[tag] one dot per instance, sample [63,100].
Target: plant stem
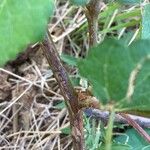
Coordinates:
[109,131]
[136,126]
[104,116]
[68,92]
[92,11]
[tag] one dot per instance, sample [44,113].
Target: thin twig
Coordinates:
[104,116]
[136,126]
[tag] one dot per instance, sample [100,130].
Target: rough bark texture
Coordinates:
[68,92]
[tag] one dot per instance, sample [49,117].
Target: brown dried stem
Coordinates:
[68,92]
[104,116]
[136,126]
[92,11]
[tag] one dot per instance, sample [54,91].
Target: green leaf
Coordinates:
[22,22]
[66,130]
[130,2]
[80,2]
[146,22]
[132,138]
[75,80]
[70,60]
[117,146]
[120,147]
[60,105]
[93,133]
[111,69]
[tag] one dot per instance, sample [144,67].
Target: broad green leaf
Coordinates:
[132,138]
[131,2]
[120,147]
[146,22]
[117,146]
[22,22]
[120,75]
[80,2]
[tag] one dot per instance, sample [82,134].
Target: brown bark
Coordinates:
[92,12]
[68,92]
[136,127]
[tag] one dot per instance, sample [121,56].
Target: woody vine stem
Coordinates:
[67,89]
[68,92]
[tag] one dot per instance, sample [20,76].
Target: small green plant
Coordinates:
[119,74]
